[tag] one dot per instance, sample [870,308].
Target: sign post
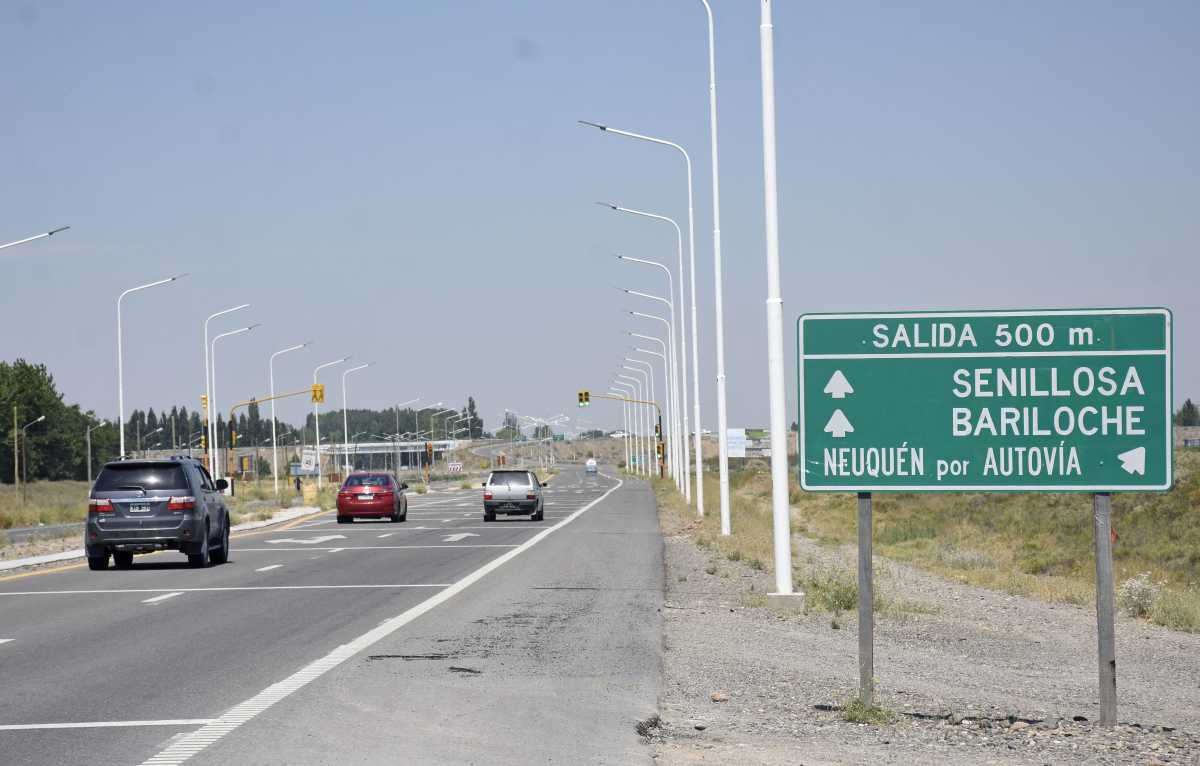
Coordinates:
[988,401]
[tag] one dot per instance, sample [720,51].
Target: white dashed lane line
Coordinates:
[268,569]
[386,534]
[6,640]
[163,597]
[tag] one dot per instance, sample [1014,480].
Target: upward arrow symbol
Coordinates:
[838,425]
[838,386]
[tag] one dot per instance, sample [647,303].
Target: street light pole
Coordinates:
[50,233]
[346,414]
[671,380]
[624,390]
[668,360]
[210,420]
[779,435]
[695,326]
[317,416]
[680,370]
[25,457]
[722,420]
[648,395]
[88,438]
[651,447]
[216,471]
[670,444]
[120,355]
[640,392]
[274,436]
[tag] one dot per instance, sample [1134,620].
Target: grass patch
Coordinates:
[1037,545]
[855,711]
[48,502]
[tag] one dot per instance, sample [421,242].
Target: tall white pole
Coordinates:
[722,422]
[628,392]
[670,305]
[670,440]
[639,393]
[680,371]
[650,411]
[50,233]
[209,422]
[216,471]
[346,415]
[317,416]
[121,356]
[668,358]
[695,327]
[779,435]
[274,437]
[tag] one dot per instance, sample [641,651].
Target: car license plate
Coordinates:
[364,497]
[139,508]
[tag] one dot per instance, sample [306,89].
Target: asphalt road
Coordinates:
[439,640]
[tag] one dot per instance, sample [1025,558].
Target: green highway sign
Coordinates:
[1030,401]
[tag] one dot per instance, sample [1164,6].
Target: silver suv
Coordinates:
[513,492]
[138,506]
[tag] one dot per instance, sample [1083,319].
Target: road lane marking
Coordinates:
[380,548]
[6,640]
[269,568]
[192,743]
[309,541]
[221,590]
[386,534]
[163,597]
[105,724]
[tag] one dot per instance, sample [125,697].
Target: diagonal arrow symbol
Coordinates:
[310,540]
[460,536]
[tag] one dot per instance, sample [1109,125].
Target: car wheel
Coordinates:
[98,563]
[343,519]
[122,559]
[221,554]
[204,557]
[489,516]
[404,516]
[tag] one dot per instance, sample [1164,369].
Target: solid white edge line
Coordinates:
[163,597]
[190,744]
[219,590]
[105,724]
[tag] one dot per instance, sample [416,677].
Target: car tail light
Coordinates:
[344,493]
[530,496]
[487,495]
[100,506]
[181,503]
[383,496]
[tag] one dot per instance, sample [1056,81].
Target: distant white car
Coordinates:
[590,466]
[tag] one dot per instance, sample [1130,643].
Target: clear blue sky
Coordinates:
[405,182]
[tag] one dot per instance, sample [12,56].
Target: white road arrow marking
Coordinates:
[838,386]
[457,537]
[838,425]
[309,541]
[1134,461]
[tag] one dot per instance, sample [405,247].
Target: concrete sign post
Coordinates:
[988,401]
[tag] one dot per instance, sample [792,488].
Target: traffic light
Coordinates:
[204,403]
[658,430]
[203,441]
[658,450]
[232,438]
[318,393]
[585,398]
[429,451]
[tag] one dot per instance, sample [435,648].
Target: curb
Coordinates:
[53,558]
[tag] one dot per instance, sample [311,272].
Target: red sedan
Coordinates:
[371,495]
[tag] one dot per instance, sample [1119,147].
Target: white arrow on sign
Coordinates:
[1134,461]
[310,540]
[838,425]
[457,537]
[838,386]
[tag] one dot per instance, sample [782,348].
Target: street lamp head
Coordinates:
[52,232]
[39,419]
[179,276]
[593,124]
[609,205]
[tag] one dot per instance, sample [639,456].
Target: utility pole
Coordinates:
[16,454]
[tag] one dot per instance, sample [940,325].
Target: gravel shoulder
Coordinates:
[971,676]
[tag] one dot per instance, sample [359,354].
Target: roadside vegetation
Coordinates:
[49,502]
[1036,545]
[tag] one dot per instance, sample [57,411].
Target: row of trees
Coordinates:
[55,447]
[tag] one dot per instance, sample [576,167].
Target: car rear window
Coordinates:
[511,478]
[145,476]
[370,480]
